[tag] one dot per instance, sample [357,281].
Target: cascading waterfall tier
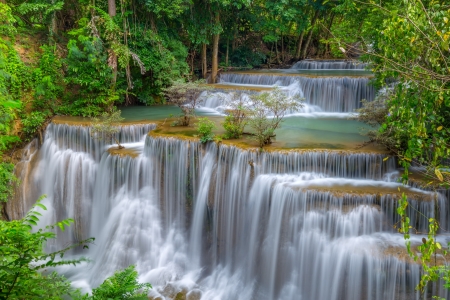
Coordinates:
[225,223]
[308,64]
[331,94]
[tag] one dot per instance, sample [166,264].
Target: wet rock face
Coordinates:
[194,295]
[171,291]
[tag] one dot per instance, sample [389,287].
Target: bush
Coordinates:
[237,116]
[23,258]
[7,180]
[121,286]
[33,122]
[204,128]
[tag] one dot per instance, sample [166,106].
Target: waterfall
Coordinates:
[308,64]
[227,223]
[331,94]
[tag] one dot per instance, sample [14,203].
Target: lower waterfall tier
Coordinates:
[224,223]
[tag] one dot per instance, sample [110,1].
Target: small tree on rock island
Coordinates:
[267,112]
[185,95]
[237,118]
[105,127]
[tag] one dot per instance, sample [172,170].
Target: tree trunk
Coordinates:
[299,45]
[282,48]
[308,40]
[215,54]
[112,8]
[327,35]
[204,63]
[113,56]
[233,44]
[192,62]
[226,55]
[276,53]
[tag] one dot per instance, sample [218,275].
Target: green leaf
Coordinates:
[41,206]
[439,175]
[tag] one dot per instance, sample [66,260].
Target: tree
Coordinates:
[106,127]
[267,112]
[22,259]
[409,45]
[185,95]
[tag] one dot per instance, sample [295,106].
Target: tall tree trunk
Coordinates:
[308,40]
[270,56]
[276,53]
[112,55]
[192,62]
[215,54]
[299,46]
[233,43]
[112,8]
[282,48]
[226,55]
[204,63]
[327,35]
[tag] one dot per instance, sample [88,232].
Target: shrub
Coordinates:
[33,122]
[23,257]
[237,116]
[204,128]
[7,180]
[121,286]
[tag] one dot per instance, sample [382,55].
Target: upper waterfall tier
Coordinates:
[309,64]
[331,94]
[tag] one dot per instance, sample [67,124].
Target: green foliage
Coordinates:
[48,78]
[232,129]
[123,285]
[245,57]
[33,122]
[39,12]
[204,128]
[22,259]
[169,8]
[8,112]
[106,126]
[7,20]
[164,56]
[410,45]
[88,77]
[426,252]
[275,104]
[7,181]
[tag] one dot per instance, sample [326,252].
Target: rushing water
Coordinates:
[331,94]
[219,222]
[309,64]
